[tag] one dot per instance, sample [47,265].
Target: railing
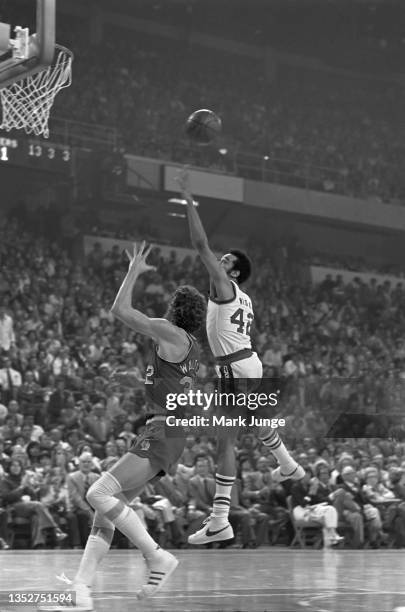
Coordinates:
[265,168]
[289,172]
[244,164]
[80,134]
[269,169]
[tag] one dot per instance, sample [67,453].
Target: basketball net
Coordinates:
[27,103]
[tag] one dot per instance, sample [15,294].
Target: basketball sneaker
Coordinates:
[60,535]
[161,564]
[296,473]
[83,601]
[333,540]
[211,532]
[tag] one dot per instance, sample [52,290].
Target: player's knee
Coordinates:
[102,490]
[96,494]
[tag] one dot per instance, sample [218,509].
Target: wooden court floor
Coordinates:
[266,580]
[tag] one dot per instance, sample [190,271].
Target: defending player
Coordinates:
[174,366]
[229,318]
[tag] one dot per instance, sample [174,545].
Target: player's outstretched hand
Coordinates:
[137,261]
[183,181]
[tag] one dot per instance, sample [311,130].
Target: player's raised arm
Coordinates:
[160,330]
[199,240]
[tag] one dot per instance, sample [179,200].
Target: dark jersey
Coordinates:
[164,377]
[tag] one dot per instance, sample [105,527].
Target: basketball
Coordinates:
[203,126]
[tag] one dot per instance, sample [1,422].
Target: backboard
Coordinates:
[23,53]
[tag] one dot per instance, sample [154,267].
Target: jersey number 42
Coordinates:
[238,319]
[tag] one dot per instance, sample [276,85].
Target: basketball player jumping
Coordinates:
[229,318]
[173,367]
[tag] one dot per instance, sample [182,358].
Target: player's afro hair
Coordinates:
[243,265]
[187,308]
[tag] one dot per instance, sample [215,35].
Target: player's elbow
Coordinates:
[119,312]
[116,312]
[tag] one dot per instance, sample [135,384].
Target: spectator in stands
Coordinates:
[4,532]
[383,499]
[121,446]
[14,410]
[7,336]
[353,509]
[57,402]
[113,407]
[4,457]
[10,430]
[59,458]
[305,511]
[110,452]
[31,395]
[250,522]
[396,513]
[128,434]
[78,483]
[269,499]
[201,491]
[98,425]
[10,381]
[191,451]
[33,452]
[35,432]
[396,482]
[85,447]
[19,498]
[55,496]
[320,487]
[176,520]
[373,490]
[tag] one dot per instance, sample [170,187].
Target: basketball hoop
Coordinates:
[27,103]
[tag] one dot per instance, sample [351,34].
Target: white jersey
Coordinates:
[229,323]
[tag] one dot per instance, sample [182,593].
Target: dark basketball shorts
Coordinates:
[160,445]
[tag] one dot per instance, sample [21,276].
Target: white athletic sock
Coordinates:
[95,551]
[129,523]
[222,499]
[101,497]
[97,546]
[272,440]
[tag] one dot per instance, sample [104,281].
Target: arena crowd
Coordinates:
[72,401]
[297,127]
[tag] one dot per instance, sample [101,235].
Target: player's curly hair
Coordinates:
[187,308]
[243,265]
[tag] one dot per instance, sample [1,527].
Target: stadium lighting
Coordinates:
[180,201]
[179,215]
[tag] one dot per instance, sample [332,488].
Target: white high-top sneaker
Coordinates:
[211,533]
[296,473]
[161,564]
[83,599]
